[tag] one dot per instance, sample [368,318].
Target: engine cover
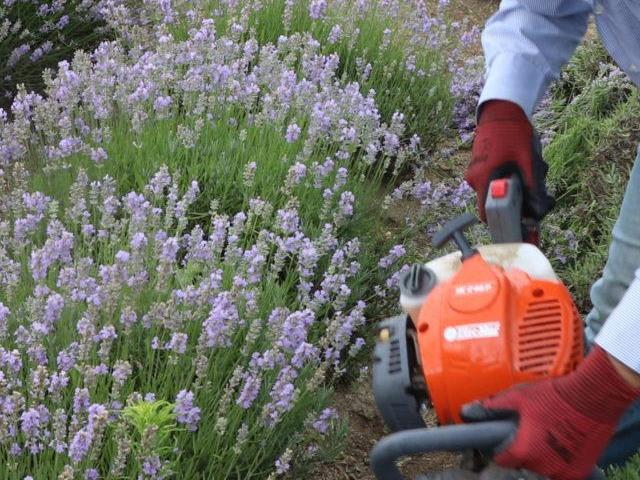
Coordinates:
[486,329]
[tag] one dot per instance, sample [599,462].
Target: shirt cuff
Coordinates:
[515,78]
[619,334]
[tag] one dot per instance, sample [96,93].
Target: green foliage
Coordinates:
[582,69]
[631,471]
[596,120]
[158,415]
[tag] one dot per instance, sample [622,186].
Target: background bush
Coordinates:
[36,35]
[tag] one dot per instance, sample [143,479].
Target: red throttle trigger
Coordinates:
[499,188]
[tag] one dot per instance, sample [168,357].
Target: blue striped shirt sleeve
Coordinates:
[619,335]
[526,43]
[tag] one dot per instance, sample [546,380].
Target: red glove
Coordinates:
[504,144]
[564,423]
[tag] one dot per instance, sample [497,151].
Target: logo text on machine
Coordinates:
[473,288]
[472,331]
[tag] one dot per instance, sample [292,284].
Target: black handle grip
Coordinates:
[453,230]
[453,438]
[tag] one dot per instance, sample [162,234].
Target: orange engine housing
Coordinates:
[486,329]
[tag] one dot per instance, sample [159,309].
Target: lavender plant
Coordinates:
[135,346]
[410,54]
[35,35]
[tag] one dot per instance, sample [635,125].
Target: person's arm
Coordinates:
[620,335]
[526,43]
[630,376]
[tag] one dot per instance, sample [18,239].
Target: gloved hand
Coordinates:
[504,144]
[564,424]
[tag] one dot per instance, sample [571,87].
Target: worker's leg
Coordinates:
[623,260]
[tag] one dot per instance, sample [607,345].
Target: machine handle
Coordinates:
[503,208]
[452,438]
[453,230]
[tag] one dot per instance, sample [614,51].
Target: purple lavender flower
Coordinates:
[11,359]
[294,329]
[121,371]
[461,196]
[151,466]
[96,411]
[346,204]
[33,423]
[335,34]
[222,320]
[122,256]
[250,389]
[321,424]
[138,241]
[296,174]
[62,22]
[98,155]
[321,171]
[80,444]
[4,315]
[160,180]
[282,395]
[88,230]
[303,353]
[282,466]
[396,252]
[80,400]
[53,308]
[33,420]
[150,397]
[293,133]
[17,53]
[106,333]
[178,343]
[58,382]
[307,258]
[160,104]
[287,220]
[317,9]
[341,178]
[66,359]
[91,474]
[169,250]
[186,413]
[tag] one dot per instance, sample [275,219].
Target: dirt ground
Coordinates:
[355,402]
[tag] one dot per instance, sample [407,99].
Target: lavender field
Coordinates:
[204,206]
[194,208]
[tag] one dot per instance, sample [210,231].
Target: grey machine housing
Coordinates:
[398,384]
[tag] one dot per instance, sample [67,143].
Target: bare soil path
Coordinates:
[355,404]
